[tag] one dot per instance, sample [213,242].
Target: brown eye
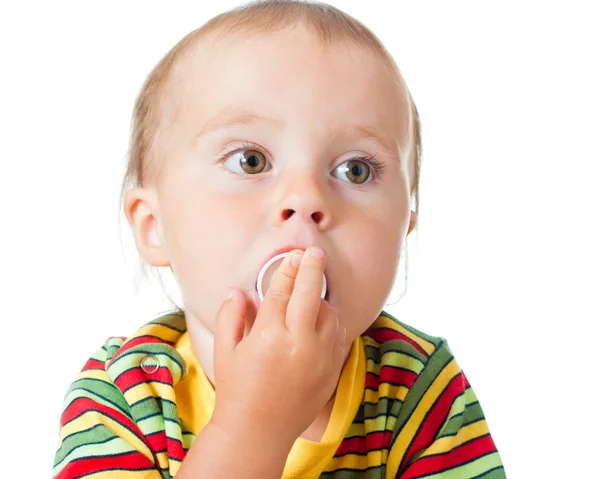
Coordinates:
[251,162]
[358,172]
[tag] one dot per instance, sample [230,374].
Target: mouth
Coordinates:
[256,299]
[284,249]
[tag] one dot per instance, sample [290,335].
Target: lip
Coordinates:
[283,249]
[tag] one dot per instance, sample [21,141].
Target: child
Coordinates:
[278,127]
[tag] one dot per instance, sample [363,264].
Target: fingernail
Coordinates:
[317,252]
[296,259]
[230,292]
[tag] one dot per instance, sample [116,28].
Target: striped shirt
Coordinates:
[417,416]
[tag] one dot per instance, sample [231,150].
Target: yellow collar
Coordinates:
[195,397]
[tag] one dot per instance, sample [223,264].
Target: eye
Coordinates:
[358,171]
[247,161]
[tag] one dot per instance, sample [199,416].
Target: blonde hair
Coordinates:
[153,111]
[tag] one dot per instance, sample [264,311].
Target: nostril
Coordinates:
[317,217]
[287,214]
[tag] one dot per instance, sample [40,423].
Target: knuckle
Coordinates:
[288,273]
[279,294]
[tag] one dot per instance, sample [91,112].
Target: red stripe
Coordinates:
[392,375]
[436,417]
[93,364]
[464,453]
[175,449]
[382,335]
[159,442]
[362,445]
[131,461]
[82,405]
[134,376]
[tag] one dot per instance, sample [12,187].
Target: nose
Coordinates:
[303,198]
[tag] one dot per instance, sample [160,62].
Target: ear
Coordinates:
[141,210]
[412,223]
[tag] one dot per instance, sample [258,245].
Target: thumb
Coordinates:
[230,322]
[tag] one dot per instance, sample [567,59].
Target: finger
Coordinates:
[331,327]
[280,289]
[341,332]
[340,347]
[305,302]
[327,323]
[230,322]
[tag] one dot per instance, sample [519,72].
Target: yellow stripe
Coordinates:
[126,475]
[410,429]
[95,374]
[93,418]
[388,323]
[158,330]
[465,434]
[393,392]
[357,461]
[163,459]
[146,390]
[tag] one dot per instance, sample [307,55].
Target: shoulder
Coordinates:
[401,354]
[388,331]
[116,403]
[432,412]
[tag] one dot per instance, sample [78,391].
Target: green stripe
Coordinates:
[385,404]
[438,360]
[99,355]
[93,435]
[376,472]
[483,465]
[454,418]
[148,406]
[131,359]
[379,351]
[99,391]
[404,349]
[470,396]
[114,446]
[392,359]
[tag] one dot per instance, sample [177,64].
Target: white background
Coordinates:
[507,264]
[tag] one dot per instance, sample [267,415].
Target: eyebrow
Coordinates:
[373,134]
[230,117]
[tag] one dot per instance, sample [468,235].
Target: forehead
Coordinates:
[292,78]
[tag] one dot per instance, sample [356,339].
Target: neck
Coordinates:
[203,345]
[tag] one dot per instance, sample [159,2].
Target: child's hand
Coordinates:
[274,382]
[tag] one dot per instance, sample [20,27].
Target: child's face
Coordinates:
[296,111]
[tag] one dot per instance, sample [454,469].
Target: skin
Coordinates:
[215,224]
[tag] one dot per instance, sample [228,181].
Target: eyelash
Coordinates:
[377,166]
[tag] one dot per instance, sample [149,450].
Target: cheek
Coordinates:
[371,264]
[205,235]
[375,254]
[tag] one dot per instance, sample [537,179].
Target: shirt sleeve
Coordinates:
[441,429]
[97,433]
